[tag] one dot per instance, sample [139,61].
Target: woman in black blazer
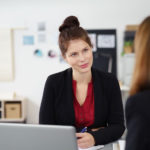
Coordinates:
[82,88]
[138,104]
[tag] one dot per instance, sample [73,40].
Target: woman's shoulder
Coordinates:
[57,77]
[140,97]
[105,76]
[139,102]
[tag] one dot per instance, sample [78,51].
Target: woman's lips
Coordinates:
[84,65]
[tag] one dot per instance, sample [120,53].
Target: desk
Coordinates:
[108,147]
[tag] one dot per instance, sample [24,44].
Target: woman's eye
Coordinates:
[85,50]
[73,54]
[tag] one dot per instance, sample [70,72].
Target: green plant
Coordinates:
[128,43]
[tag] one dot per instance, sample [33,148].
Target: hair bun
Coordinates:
[69,22]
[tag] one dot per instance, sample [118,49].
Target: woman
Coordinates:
[82,96]
[138,104]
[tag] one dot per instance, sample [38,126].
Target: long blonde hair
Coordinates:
[141,74]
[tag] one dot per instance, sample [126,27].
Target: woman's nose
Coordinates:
[81,57]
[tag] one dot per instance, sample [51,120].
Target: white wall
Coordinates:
[30,72]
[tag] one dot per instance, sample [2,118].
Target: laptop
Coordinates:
[37,137]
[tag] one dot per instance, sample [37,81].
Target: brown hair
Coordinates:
[141,75]
[71,30]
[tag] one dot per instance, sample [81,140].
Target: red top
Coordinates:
[84,114]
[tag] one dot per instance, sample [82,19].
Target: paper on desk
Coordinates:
[93,148]
[121,144]
[116,146]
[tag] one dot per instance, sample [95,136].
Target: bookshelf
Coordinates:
[13,110]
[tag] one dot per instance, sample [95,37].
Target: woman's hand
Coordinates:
[85,140]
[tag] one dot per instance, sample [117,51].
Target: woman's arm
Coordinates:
[46,115]
[115,121]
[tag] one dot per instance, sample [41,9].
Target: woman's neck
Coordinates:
[82,77]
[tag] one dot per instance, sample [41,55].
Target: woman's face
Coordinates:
[79,56]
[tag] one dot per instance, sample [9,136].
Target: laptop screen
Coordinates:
[37,137]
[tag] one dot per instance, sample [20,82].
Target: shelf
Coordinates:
[12,120]
[13,110]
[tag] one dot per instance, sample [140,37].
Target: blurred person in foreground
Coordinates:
[138,104]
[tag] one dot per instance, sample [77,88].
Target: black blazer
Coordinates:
[138,121]
[57,104]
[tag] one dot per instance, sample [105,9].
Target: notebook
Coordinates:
[37,137]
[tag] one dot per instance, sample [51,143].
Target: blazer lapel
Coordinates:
[69,97]
[98,97]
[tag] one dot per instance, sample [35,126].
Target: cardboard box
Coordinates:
[12,110]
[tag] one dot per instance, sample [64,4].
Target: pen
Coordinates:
[84,130]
